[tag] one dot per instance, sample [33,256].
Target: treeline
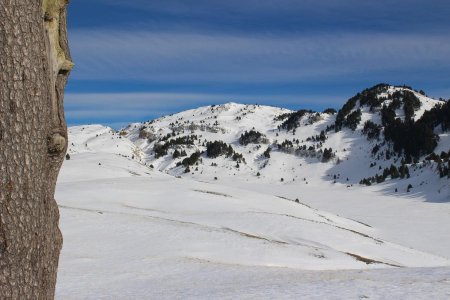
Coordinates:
[344,111]
[251,137]
[161,149]
[369,97]
[443,163]
[190,161]
[393,172]
[325,155]
[219,148]
[409,137]
[438,116]
[213,150]
[413,139]
[372,130]
[293,119]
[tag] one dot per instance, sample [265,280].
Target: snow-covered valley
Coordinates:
[249,224]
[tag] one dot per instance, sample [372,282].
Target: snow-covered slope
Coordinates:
[130,231]
[98,138]
[291,234]
[246,222]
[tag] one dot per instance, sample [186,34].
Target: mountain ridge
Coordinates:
[281,146]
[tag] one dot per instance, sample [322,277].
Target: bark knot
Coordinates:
[56,144]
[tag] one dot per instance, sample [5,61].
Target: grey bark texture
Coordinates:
[34,67]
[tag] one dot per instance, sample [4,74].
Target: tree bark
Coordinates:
[34,67]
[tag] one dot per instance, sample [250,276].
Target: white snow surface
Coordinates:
[136,232]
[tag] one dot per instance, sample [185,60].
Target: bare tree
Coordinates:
[34,67]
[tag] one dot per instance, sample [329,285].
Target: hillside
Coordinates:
[254,201]
[132,232]
[382,135]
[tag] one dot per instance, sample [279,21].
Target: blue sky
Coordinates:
[137,60]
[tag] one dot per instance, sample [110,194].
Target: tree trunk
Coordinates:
[34,66]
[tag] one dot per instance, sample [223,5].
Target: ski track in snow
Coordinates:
[120,233]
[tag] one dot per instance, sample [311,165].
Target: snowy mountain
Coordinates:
[248,201]
[356,145]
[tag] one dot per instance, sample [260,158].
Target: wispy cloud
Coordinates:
[278,52]
[192,58]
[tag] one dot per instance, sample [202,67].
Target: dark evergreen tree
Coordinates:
[251,137]
[191,160]
[394,172]
[327,155]
[330,111]
[176,154]
[372,130]
[353,119]
[267,152]
[293,120]
[216,149]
